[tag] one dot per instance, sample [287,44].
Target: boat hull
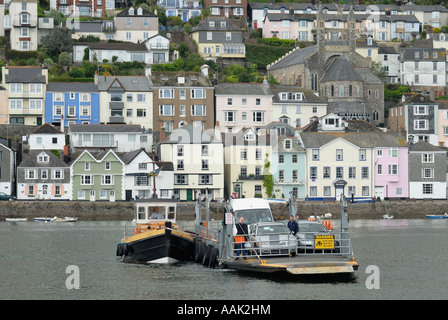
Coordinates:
[436,217]
[162,246]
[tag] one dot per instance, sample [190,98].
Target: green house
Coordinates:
[97,176]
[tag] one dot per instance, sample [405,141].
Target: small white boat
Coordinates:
[56,219]
[387,216]
[16,219]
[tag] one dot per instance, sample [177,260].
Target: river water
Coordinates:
[409,259]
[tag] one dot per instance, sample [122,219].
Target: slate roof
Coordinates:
[128,46]
[171,79]
[423,146]
[129,83]
[360,139]
[46,129]
[145,13]
[205,26]
[294,57]
[340,70]
[257,89]
[72,86]
[24,75]
[31,160]
[308,95]
[416,98]
[104,128]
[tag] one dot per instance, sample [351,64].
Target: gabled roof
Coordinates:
[205,25]
[47,129]
[128,83]
[340,70]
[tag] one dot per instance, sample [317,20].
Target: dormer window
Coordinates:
[369,41]
[211,23]
[288,144]
[131,11]
[139,11]
[43,158]
[291,96]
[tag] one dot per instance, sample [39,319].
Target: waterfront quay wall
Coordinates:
[103,211]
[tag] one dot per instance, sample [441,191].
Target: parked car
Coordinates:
[4,196]
[307,233]
[268,238]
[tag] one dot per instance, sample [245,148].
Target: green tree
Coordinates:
[64,59]
[57,41]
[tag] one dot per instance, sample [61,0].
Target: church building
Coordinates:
[336,72]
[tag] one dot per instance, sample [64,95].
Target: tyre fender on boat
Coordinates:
[206,259]
[213,258]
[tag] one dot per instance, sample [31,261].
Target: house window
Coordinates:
[315,154]
[86,180]
[107,179]
[166,93]
[428,158]
[364,173]
[197,93]
[258,116]
[339,155]
[327,173]
[393,169]
[428,173]
[166,110]
[198,110]
[313,172]
[427,188]
[229,116]
[243,154]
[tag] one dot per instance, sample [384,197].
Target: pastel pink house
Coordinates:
[392,170]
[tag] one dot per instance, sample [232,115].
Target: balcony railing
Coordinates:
[22,23]
[251,177]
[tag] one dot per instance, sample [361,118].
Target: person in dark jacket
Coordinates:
[292,225]
[241,234]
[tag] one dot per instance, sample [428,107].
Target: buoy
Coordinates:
[136,230]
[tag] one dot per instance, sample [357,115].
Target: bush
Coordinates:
[276,42]
[19,55]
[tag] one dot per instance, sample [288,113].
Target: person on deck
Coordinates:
[293,225]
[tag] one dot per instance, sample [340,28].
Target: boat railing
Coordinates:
[342,244]
[207,234]
[273,246]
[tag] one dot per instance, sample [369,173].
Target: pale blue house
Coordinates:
[72,102]
[287,162]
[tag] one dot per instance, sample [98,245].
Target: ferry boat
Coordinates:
[330,254]
[156,238]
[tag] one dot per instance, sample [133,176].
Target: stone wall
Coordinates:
[124,210]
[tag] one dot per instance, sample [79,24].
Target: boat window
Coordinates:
[156,213]
[141,213]
[171,212]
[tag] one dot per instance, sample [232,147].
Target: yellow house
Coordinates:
[218,37]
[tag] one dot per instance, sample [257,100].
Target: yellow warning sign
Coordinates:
[324,241]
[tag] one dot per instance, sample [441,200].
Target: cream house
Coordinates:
[197,158]
[338,163]
[247,161]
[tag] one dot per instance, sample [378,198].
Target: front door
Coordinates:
[189,195]
[39,121]
[112,195]
[379,192]
[92,195]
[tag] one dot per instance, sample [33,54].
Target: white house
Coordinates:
[197,157]
[140,174]
[118,137]
[46,137]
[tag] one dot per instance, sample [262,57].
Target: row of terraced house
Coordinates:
[327,158]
